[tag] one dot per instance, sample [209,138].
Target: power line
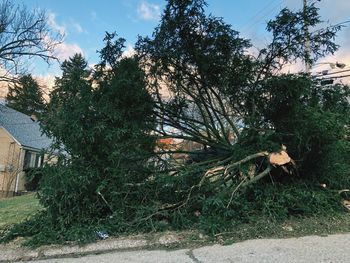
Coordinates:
[332,73]
[341,24]
[336,77]
[259,12]
[258,18]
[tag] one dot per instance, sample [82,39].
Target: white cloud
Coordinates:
[46,83]
[129,52]
[64,27]
[3,89]
[51,19]
[64,51]
[148,11]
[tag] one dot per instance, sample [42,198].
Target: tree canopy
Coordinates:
[210,89]
[26,96]
[68,109]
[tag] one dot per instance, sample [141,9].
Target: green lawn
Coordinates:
[16,209]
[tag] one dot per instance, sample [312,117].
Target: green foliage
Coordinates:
[26,96]
[33,177]
[276,203]
[124,113]
[195,55]
[105,132]
[40,231]
[334,166]
[69,194]
[300,115]
[231,104]
[68,116]
[288,30]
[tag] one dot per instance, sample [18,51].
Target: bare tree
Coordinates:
[24,34]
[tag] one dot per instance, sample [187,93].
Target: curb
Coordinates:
[12,253]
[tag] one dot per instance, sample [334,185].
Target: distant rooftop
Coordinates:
[26,131]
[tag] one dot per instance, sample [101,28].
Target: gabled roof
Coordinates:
[22,128]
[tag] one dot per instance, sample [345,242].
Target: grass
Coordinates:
[16,209]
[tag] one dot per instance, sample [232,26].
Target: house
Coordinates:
[21,147]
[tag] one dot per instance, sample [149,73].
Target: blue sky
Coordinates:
[84,22]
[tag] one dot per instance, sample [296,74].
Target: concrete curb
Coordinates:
[10,253]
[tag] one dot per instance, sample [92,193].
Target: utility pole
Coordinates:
[307,55]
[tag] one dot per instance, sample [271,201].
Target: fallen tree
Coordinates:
[210,91]
[194,131]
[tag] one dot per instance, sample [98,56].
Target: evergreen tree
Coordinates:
[26,96]
[107,132]
[216,88]
[123,105]
[66,119]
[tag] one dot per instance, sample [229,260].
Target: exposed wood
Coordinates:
[248,158]
[258,177]
[279,158]
[346,204]
[215,170]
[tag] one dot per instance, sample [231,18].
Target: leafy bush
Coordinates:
[275,203]
[33,177]
[69,194]
[334,165]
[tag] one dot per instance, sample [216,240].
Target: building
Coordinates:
[21,147]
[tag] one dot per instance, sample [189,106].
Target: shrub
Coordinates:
[33,177]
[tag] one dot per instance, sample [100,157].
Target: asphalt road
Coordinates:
[312,249]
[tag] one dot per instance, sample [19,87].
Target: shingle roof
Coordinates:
[26,131]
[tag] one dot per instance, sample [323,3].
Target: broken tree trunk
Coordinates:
[227,172]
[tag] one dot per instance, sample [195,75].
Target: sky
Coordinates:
[84,23]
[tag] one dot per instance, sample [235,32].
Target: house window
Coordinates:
[31,160]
